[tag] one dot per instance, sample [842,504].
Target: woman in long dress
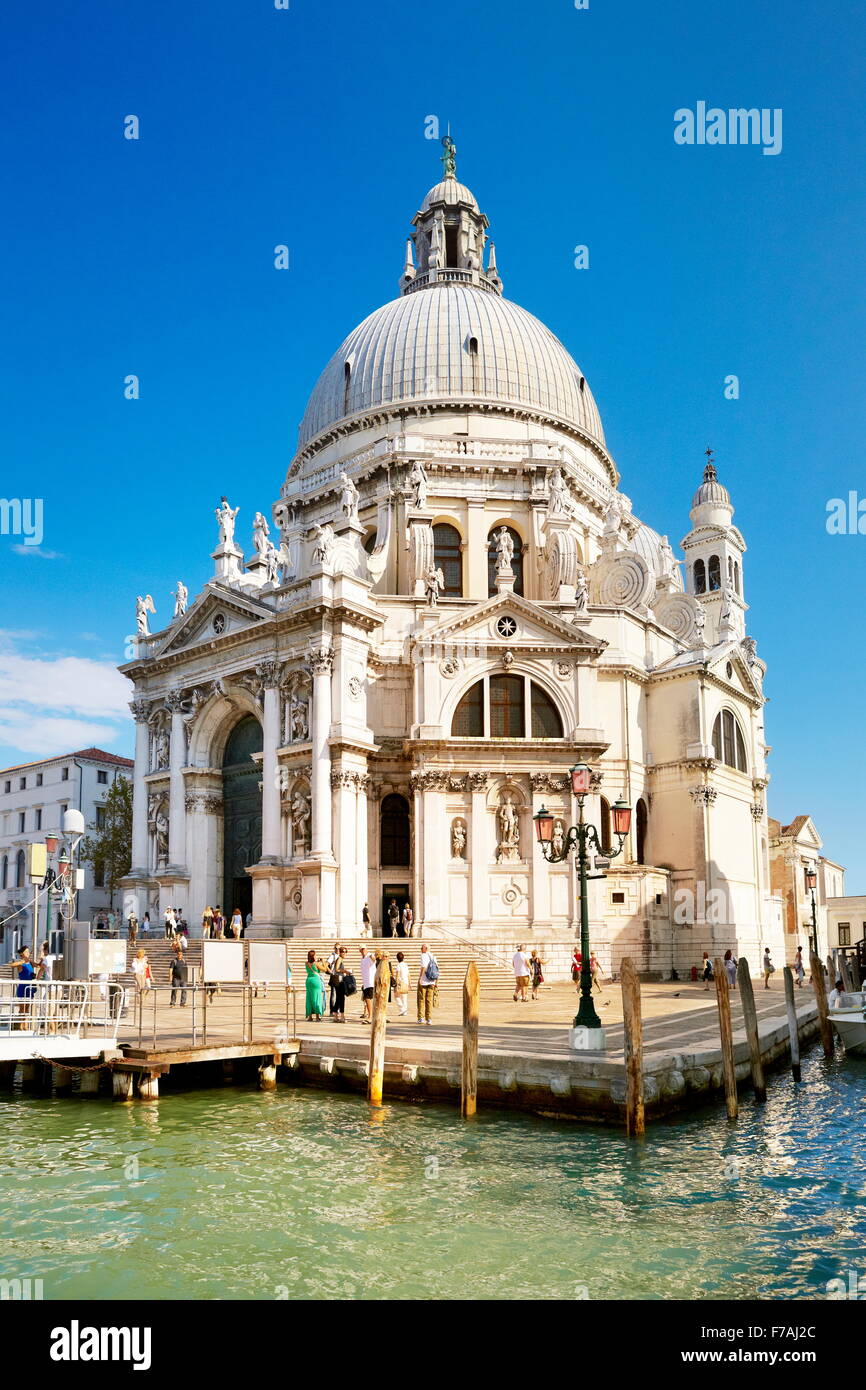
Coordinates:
[315,1000]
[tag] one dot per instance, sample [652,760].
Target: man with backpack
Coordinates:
[427,978]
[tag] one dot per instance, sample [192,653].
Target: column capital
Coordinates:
[322,660]
[174,701]
[269,673]
[140,710]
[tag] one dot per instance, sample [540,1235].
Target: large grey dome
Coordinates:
[451,342]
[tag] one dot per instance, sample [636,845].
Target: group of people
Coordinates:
[730,962]
[331,981]
[29,972]
[398,923]
[216,927]
[595,970]
[528,974]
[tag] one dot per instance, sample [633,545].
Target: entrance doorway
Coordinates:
[242,815]
[398,893]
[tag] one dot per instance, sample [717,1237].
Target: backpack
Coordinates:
[350,984]
[432,972]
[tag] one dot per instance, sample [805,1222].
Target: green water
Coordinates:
[306,1194]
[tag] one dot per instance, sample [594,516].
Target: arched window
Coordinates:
[640,830]
[700,572]
[731,570]
[715,573]
[516,559]
[728,744]
[546,722]
[370,542]
[347,382]
[5,870]
[448,556]
[736,576]
[510,702]
[473,362]
[394,832]
[604,821]
[20,867]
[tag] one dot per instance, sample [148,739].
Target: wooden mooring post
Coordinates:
[847,977]
[633,1026]
[726,1032]
[793,1026]
[750,1018]
[376,1076]
[821,1000]
[469,1072]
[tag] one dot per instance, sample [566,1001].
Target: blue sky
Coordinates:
[306,127]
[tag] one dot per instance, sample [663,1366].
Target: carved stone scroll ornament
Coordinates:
[679,613]
[420,546]
[621,580]
[703,796]
[322,661]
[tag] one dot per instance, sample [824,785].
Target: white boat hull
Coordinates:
[850,1024]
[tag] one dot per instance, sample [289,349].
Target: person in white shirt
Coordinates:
[401,985]
[368,984]
[426,988]
[521,974]
[834,998]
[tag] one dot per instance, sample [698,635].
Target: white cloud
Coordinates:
[52,704]
[41,736]
[37,551]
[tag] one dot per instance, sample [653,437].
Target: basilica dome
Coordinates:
[451,342]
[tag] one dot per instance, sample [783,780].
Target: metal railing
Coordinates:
[221,1008]
[67,1008]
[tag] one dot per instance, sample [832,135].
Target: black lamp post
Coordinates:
[811,883]
[581,837]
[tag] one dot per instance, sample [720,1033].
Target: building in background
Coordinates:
[33,798]
[795,849]
[846,922]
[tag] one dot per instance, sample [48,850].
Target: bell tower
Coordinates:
[714,550]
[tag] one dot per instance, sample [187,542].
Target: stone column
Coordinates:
[344,788]
[269,674]
[322,659]
[362,886]
[475,555]
[176,797]
[435,851]
[479,886]
[140,846]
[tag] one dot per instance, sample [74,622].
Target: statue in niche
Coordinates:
[226,517]
[323,550]
[419,483]
[509,831]
[458,840]
[161,831]
[181,598]
[300,812]
[558,841]
[581,591]
[504,551]
[299,721]
[349,497]
[161,749]
[261,534]
[143,606]
[700,621]
[560,501]
[434,583]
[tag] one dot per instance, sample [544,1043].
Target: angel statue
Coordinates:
[272,561]
[434,583]
[181,597]
[143,606]
[323,549]
[261,534]
[226,515]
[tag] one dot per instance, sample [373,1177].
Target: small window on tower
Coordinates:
[715,573]
[700,573]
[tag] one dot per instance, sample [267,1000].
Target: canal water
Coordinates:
[236,1193]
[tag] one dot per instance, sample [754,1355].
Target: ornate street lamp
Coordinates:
[811,884]
[581,837]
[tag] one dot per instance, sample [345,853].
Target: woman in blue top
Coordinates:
[26,973]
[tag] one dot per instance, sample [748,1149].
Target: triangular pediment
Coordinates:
[511,619]
[739,677]
[216,613]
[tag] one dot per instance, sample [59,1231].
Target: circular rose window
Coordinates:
[506,627]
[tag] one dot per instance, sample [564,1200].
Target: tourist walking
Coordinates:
[428,976]
[207,924]
[339,972]
[536,974]
[706,970]
[366,924]
[595,972]
[767,968]
[393,918]
[178,973]
[731,969]
[170,924]
[141,971]
[401,985]
[368,983]
[520,965]
[799,968]
[315,996]
[407,920]
[145,924]
[576,966]
[236,925]
[218,924]
[131,927]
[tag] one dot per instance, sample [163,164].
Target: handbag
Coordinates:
[350,984]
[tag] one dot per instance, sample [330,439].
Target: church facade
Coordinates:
[450,603]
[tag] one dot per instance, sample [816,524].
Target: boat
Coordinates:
[849,1020]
